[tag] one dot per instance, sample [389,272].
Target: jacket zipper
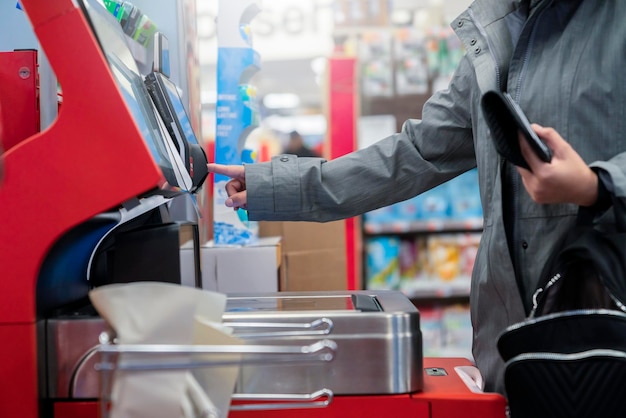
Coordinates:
[540,290]
[569,357]
[540,293]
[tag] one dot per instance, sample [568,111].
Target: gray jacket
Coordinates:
[564,62]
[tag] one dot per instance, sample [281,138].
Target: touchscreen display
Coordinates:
[179,109]
[130,83]
[170,107]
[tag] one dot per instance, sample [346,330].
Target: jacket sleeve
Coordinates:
[614,173]
[423,155]
[612,177]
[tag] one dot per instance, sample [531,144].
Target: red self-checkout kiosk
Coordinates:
[102,152]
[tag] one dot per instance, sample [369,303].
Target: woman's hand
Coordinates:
[236,186]
[566,179]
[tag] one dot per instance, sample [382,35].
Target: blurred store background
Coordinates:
[401,51]
[394,41]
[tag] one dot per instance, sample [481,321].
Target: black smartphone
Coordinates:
[505,119]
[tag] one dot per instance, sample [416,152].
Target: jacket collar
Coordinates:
[488,11]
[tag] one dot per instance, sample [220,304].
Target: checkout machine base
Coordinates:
[445,395]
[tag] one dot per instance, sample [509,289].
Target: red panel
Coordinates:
[442,397]
[351,254]
[76,410]
[44,11]
[342,117]
[18,370]
[398,406]
[449,397]
[91,159]
[18,92]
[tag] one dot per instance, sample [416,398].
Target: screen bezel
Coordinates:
[124,70]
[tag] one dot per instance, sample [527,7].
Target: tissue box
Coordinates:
[248,268]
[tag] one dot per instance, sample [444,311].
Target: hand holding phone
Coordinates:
[505,119]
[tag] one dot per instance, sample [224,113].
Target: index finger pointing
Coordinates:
[233,171]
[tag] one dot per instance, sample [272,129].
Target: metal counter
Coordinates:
[379,343]
[377,336]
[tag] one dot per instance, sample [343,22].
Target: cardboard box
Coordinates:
[313,270]
[313,254]
[245,269]
[306,236]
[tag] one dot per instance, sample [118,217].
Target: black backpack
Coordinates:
[587,271]
[568,359]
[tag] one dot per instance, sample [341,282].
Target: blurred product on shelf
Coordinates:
[451,256]
[413,259]
[465,197]
[382,263]
[444,258]
[424,266]
[407,61]
[135,24]
[454,205]
[425,261]
[375,56]
[446,331]
[411,62]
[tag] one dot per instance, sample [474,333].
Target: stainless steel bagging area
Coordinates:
[377,337]
[379,342]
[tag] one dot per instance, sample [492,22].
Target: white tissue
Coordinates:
[161,313]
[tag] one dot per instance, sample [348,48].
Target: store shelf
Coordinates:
[431,225]
[428,289]
[425,245]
